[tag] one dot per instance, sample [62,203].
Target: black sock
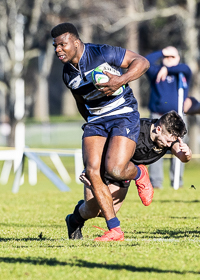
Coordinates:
[76,219]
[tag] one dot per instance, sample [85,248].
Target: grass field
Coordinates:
[162,240]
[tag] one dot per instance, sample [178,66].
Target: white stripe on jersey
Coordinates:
[78,82]
[117,112]
[106,108]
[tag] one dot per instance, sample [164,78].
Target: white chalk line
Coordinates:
[164,240]
[148,240]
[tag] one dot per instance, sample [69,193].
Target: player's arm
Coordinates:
[181,150]
[136,66]
[154,68]
[81,106]
[191,106]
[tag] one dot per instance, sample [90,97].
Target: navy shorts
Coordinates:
[127,125]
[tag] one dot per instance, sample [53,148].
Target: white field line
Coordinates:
[163,240]
[195,240]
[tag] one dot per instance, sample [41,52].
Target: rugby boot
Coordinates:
[144,186]
[73,232]
[111,235]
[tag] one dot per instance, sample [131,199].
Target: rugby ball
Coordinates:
[99,77]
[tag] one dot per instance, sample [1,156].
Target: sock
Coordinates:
[138,173]
[113,223]
[76,219]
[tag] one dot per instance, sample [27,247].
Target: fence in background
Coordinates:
[10,155]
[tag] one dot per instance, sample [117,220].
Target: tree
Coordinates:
[142,26]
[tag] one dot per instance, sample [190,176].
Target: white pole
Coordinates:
[60,167]
[32,172]
[177,161]
[19,109]
[78,165]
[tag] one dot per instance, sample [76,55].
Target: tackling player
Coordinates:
[157,136]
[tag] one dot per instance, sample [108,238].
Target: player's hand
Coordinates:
[84,179]
[184,147]
[111,86]
[162,74]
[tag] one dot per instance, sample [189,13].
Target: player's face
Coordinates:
[65,47]
[165,139]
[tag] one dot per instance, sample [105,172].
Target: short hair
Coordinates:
[173,123]
[62,28]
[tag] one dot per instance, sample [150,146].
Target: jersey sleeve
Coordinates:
[113,55]
[154,68]
[174,70]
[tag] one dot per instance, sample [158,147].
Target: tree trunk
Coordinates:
[41,108]
[191,39]
[132,42]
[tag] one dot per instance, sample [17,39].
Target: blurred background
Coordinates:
[31,87]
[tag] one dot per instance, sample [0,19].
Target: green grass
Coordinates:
[162,240]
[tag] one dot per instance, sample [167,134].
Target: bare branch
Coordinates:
[138,17]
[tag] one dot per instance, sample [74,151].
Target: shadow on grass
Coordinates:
[185,218]
[86,264]
[176,201]
[26,239]
[167,234]
[30,225]
[178,233]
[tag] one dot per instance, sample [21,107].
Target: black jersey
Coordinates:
[146,151]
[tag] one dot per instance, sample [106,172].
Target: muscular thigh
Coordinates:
[92,150]
[120,151]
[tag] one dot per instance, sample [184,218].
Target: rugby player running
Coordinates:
[157,136]
[112,120]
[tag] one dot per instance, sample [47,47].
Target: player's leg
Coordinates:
[171,172]
[118,155]
[118,165]
[156,173]
[89,208]
[118,195]
[92,157]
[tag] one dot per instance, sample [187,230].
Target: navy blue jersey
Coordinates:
[79,81]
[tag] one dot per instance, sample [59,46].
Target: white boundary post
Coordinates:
[60,167]
[6,171]
[32,172]
[47,172]
[18,177]
[180,112]
[78,165]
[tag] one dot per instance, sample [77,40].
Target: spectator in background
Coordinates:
[191,106]
[164,80]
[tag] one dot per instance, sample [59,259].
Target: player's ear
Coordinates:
[158,129]
[76,43]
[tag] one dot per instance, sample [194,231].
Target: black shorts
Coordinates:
[122,184]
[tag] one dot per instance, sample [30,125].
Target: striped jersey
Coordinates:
[79,81]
